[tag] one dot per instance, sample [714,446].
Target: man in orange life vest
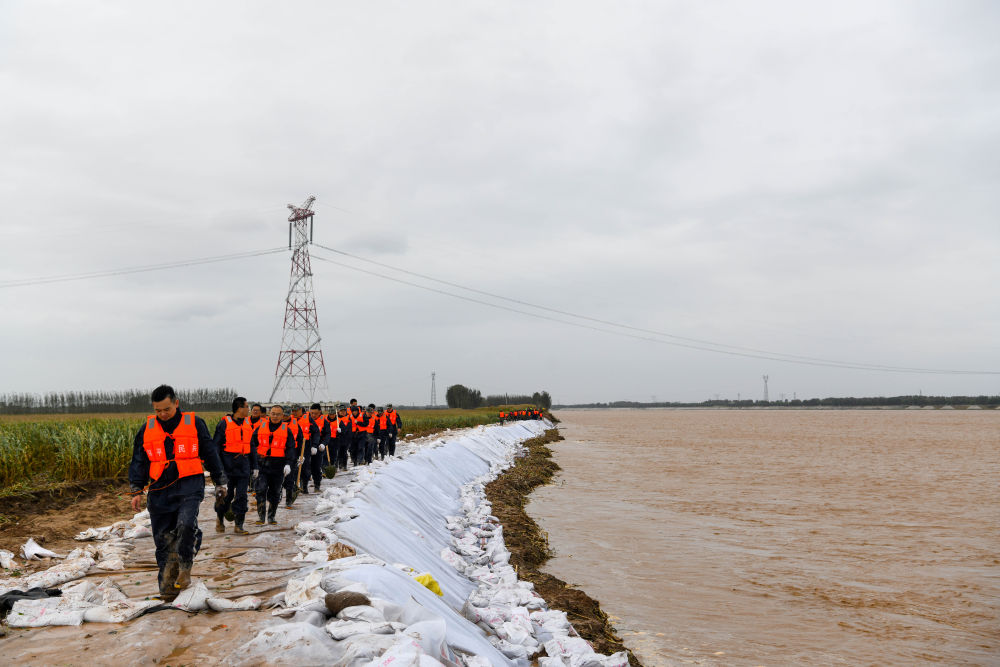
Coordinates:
[315,452]
[394,422]
[170,452]
[341,436]
[232,440]
[291,482]
[272,450]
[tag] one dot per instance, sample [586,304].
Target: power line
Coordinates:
[693,343]
[769,357]
[70,277]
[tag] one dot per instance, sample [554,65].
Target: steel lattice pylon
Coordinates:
[301,374]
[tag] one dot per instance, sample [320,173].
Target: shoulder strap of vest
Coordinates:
[151,422]
[188,418]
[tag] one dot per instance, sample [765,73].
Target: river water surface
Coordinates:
[774,537]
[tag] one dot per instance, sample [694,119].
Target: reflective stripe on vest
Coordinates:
[272,444]
[237,436]
[185,437]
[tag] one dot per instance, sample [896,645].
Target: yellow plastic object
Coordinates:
[429,582]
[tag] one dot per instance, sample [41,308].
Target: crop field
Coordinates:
[38,451]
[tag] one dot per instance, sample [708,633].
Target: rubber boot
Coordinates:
[170,571]
[260,515]
[272,512]
[183,576]
[220,523]
[239,530]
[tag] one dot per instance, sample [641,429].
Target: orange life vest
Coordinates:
[185,438]
[383,421]
[303,423]
[368,425]
[272,444]
[237,436]
[392,416]
[347,421]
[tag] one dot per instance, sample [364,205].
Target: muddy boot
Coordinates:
[183,576]
[272,512]
[260,515]
[170,571]
[220,524]
[239,530]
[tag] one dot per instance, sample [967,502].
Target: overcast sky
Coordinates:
[798,178]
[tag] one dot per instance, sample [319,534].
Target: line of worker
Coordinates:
[514,415]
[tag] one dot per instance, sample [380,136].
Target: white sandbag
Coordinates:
[574,648]
[245,603]
[118,612]
[43,612]
[138,531]
[31,550]
[360,649]
[619,659]
[193,598]
[318,557]
[294,644]
[361,613]
[300,591]
[341,630]
[110,564]
[430,635]
[319,604]
[6,559]
[316,618]
[551,662]
[513,651]
[68,570]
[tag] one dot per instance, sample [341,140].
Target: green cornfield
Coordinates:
[42,450]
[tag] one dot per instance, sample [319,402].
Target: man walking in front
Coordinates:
[272,450]
[170,453]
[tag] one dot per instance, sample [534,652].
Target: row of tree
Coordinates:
[460,396]
[831,402]
[129,400]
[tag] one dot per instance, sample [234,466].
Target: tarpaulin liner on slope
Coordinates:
[418,493]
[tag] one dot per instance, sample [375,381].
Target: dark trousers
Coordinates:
[290,481]
[391,443]
[268,489]
[369,447]
[173,517]
[383,444]
[357,445]
[312,467]
[339,451]
[236,495]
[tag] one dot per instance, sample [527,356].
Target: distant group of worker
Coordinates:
[532,413]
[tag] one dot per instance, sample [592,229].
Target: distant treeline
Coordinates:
[832,402]
[129,400]
[460,396]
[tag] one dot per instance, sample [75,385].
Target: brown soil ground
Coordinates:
[529,549]
[53,516]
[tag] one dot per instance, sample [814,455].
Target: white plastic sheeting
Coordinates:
[425,512]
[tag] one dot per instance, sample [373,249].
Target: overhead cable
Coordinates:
[69,277]
[703,348]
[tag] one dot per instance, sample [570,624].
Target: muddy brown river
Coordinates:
[775,537]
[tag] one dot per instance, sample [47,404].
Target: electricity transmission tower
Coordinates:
[434,396]
[766,378]
[300,374]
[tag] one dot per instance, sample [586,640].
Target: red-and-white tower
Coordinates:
[301,373]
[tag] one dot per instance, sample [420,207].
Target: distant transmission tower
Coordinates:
[301,373]
[434,393]
[766,378]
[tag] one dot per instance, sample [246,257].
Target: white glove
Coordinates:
[312,451]
[255,474]
[288,470]
[322,448]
